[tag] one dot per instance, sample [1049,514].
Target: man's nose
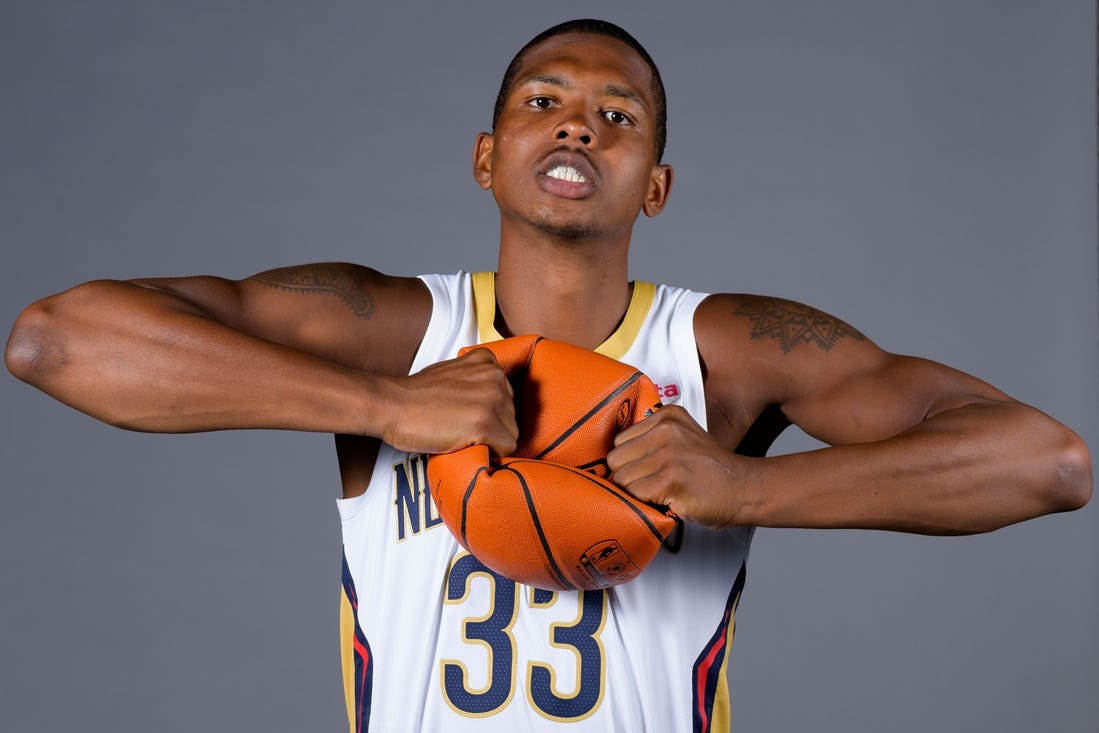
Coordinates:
[576,127]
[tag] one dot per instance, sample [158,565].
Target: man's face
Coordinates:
[573,153]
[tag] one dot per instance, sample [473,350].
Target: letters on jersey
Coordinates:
[412,497]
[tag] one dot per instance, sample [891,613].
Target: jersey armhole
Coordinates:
[685,347]
[445,294]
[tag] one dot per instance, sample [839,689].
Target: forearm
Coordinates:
[967,470]
[143,359]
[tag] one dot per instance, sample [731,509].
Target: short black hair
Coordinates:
[599,28]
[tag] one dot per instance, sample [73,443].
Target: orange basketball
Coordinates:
[546,515]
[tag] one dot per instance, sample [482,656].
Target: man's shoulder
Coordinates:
[770,348]
[770,321]
[345,312]
[359,287]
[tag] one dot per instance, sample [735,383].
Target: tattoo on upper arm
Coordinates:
[323,278]
[793,324]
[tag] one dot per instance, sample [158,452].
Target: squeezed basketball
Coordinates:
[546,515]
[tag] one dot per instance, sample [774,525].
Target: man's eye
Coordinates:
[541,102]
[616,118]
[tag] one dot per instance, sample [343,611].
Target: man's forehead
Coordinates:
[613,59]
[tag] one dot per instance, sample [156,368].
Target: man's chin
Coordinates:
[571,231]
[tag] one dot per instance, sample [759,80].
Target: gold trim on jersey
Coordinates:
[347,655]
[616,345]
[721,714]
[484,305]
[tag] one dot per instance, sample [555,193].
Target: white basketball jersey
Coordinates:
[434,641]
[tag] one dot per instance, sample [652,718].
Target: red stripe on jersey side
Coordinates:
[707,667]
[364,667]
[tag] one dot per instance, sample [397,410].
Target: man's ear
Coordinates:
[482,160]
[660,185]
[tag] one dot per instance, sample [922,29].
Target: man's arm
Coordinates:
[916,446]
[318,347]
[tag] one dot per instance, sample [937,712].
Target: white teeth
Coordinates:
[565,173]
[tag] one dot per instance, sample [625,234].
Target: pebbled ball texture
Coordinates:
[546,515]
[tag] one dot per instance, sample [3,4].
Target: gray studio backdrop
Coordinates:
[925,170]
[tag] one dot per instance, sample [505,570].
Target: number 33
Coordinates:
[493,632]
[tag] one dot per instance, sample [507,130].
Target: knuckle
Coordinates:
[674,474]
[675,415]
[622,478]
[480,427]
[647,490]
[663,430]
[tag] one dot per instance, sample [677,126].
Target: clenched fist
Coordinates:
[452,405]
[668,459]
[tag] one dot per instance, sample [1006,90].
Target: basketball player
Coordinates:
[574,156]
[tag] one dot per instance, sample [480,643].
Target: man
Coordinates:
[575,154]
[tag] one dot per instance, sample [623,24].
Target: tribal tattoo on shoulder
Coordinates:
[792,324]
[322,278]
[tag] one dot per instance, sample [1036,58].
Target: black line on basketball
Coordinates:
[538,528]
[617,494]
[465,502]
[603,403]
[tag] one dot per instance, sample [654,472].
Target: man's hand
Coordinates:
[668,459]
[454,404]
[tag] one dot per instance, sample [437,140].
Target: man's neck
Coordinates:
[575,292]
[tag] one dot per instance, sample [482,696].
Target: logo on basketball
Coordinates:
[608,564]
[625,414]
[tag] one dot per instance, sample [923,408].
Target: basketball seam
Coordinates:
[627,500]
[538,529]
[465,502]
[603,403]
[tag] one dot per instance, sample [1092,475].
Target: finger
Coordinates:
[628,469]
[509,390]
[503,446]
[507,434]
[648,488]
[479,355]
[637,429]
[634,447]
[486,360]
[505,414]
[506,427]
[625,454]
